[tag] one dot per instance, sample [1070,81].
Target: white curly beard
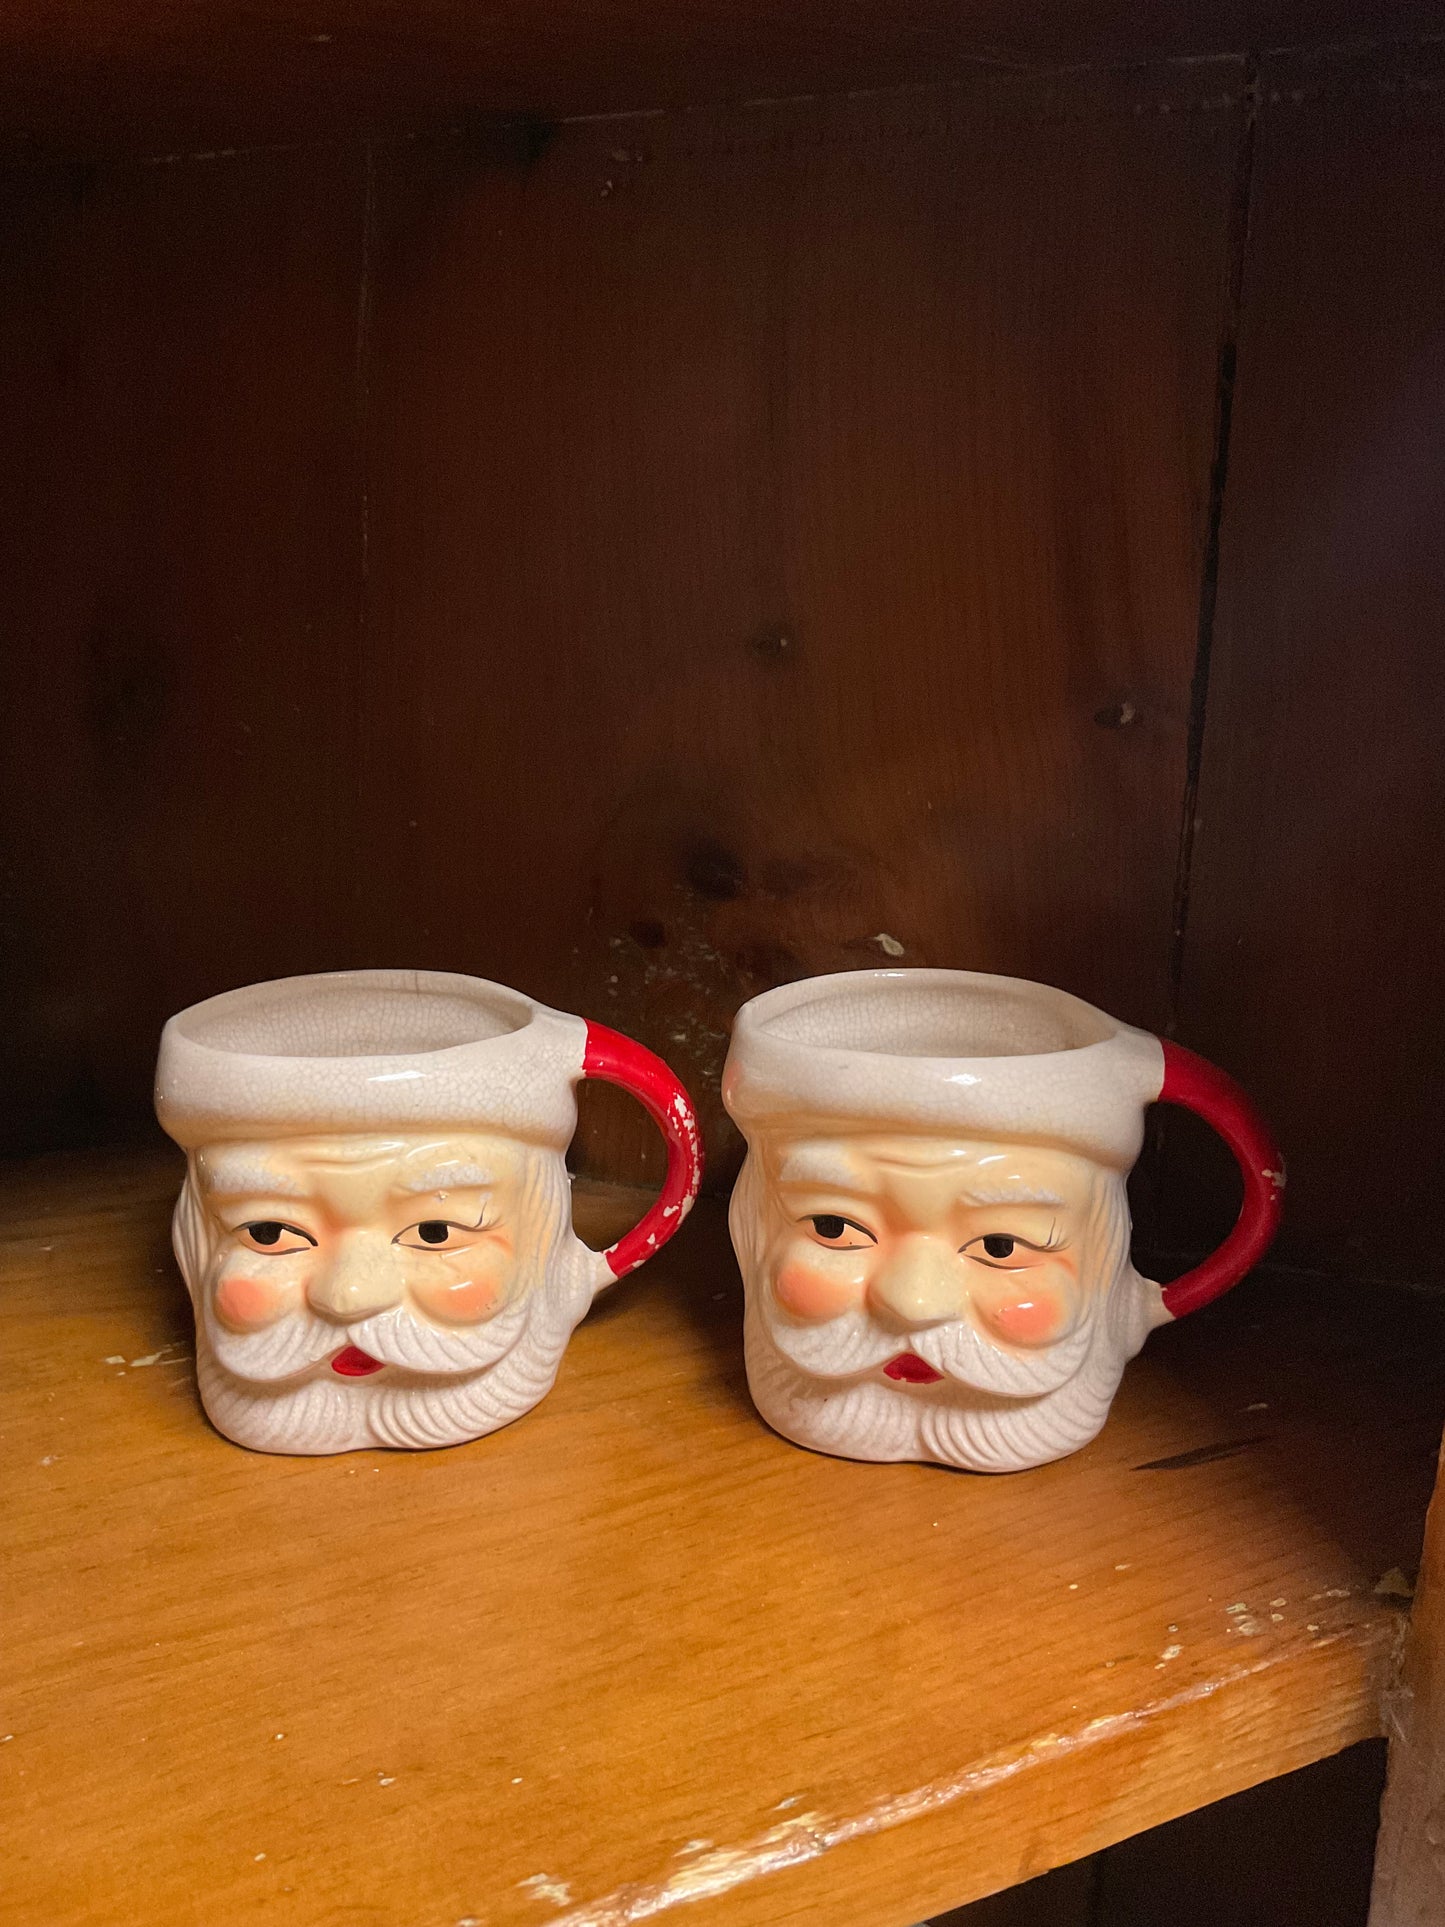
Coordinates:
[945,1424]
[323,1413]
[275,1391]
[996,1409]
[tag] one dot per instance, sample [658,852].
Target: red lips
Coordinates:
[909,1369]
[352,1362]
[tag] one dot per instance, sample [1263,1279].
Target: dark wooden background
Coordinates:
[649,559]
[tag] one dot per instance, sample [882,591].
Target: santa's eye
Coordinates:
[438,1234]
[1003,1248]
[839,1233]
[270,1235]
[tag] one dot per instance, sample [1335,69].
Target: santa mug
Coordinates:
[375,1226]
[932,1222]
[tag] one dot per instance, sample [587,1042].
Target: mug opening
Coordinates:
[385,1014]
[944,1014]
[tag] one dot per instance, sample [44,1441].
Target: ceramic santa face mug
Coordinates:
[932,1222]
[375,1226]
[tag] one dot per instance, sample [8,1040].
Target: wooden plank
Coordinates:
[241,71]
[1318,864]
[1409,1888]
[637,1652]
[179,548]
[775,515]
[1063,1898]
[1296,1849]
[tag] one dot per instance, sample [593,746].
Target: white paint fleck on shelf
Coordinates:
[542,1886]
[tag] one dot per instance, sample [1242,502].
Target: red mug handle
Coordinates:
[1210,1092]
[619,1060]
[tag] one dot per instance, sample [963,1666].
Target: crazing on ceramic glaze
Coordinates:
[932,1222]
[375,1225]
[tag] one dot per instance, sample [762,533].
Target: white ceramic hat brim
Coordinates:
[944,1050]
[360,1051]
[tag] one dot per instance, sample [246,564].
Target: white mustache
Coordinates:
[854,1343]
[303,1339]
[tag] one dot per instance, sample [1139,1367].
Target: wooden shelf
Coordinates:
[637,1651]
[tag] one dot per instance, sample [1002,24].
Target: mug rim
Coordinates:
[511,1066]
[765,1015]
[1089,1095]
[192,1025]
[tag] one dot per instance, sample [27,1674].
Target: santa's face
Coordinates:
[918,1297]
[377,1291]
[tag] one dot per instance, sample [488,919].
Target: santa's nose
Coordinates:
[921,1283]
[362,1277]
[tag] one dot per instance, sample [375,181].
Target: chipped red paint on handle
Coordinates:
[1210,1092]
[619,1060]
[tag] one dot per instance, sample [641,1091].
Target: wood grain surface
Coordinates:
[1409,1888]
[1062,1898]
[737,607]
[180,544]
[164,75]
[637,1653]
[665,556]
[776,540]
[1293,1852]
[1318,884]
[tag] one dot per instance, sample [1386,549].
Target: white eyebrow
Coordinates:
[816,1164]
[446,1177]
[1023,1195]
[239,1174]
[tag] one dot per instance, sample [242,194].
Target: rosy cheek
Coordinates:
[246,1304]
[809,1293]
[467,1299]
[1025,1318]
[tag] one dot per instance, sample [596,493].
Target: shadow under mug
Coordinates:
[375,1226]
[932,1220]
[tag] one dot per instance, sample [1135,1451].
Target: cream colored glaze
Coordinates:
[341,1113]
[469,1333]
[877,1224]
